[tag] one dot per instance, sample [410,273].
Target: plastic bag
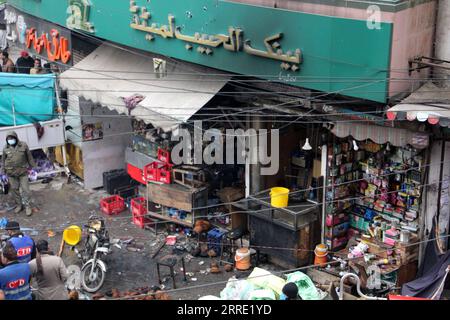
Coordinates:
[210,297]
[4,184]
[266,280]
[237,290]
[262,294]
[306,288]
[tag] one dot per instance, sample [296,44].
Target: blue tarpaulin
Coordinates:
[27,98]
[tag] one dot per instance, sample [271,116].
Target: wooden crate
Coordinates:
[238,218]
[177,196]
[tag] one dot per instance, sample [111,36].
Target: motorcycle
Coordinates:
[97,244]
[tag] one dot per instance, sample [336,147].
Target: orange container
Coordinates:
[321,252]
[242,259]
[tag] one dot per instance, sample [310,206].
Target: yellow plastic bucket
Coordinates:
[279,197]
[72,235]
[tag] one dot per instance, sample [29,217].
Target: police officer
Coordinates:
[16,160]
[14,277]
[24,245]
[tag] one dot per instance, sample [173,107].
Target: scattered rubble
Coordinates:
[228,267]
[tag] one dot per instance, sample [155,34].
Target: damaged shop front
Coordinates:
[124,120]
[117,112]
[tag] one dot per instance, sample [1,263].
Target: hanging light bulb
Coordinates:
[307,146]
[388,147]
[355,145]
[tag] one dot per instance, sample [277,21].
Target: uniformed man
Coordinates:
[14,277]
[16,160]
[24,245]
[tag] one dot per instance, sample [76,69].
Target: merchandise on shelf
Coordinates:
[385,192]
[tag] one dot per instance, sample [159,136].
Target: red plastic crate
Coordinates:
[151,171]
[163,155]
[158,171]
[165,174]
[138,211]
[112,205]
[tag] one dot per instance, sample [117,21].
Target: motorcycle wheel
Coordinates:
[88,285]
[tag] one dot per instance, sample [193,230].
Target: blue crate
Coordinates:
[215,237]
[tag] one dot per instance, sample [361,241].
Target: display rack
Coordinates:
[342,169]
[381,193]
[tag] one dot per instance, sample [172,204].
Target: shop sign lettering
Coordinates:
[57,48]
[78,15]
[207,43]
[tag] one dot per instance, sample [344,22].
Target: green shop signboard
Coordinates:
[328,54]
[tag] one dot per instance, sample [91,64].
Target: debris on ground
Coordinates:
[133,249]
[214,267]
[228,267]
[171,240]
[212,253]
[56,185]
[143,293]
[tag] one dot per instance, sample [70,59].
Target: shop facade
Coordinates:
[371,172]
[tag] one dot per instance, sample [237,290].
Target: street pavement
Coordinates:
[62,204]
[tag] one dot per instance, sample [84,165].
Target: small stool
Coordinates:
[228,241]
[170,261]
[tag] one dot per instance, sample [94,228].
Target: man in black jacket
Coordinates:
[24,63]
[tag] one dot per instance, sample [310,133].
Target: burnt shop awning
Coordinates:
[381,135]
[117,78]
[429,103]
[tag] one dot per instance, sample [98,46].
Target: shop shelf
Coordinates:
[339,223]
[186,222]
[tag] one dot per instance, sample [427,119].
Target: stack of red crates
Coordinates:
[138,211]
[159,171]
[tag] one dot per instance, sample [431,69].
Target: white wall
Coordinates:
[443,39]
[104,154]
